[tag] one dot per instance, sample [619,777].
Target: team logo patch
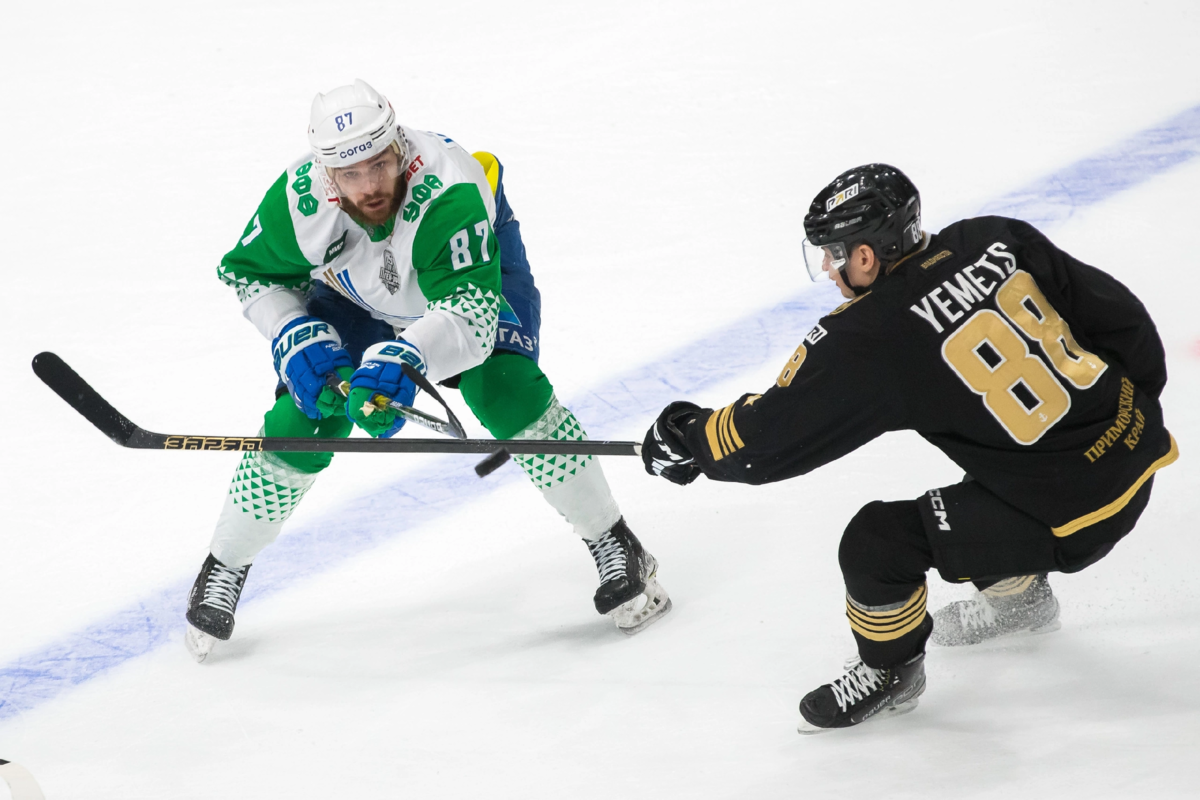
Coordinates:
[841,197]
[507,315]
[387,273]
[815,335]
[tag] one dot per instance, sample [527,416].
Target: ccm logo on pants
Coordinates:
[939,509]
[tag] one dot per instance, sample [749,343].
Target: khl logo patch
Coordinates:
[387,273]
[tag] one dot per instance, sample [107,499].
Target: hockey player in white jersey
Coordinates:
[389,246]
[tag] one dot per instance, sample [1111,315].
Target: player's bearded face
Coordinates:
[371,190]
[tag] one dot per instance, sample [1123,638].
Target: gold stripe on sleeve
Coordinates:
[737,443]
[714,444]
[723,438]
[723,431]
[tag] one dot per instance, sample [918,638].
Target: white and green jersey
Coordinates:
[432,273]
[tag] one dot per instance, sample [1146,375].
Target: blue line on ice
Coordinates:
[1054,198]
[638,394]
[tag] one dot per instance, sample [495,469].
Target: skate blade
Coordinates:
[806,728]
[1036,630]
[642,611]
[199,643]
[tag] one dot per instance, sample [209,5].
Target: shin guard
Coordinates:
[262,495]
[574,485]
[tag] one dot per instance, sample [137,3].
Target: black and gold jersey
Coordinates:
[1037,374]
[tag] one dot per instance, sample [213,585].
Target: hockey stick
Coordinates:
[67,384]
[380,403]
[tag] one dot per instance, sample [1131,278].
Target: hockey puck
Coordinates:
[492,463]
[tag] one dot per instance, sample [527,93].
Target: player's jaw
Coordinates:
[861,270]
[374,208]
[836,276]
[371,190]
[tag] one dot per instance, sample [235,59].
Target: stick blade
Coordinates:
[67,384]
[454,427]
[20,783]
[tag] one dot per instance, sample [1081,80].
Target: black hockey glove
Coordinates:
[664,452]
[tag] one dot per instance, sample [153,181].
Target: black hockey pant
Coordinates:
[968,534]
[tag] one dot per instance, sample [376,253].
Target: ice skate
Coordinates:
[1016,606]
[863,693]
[629,592]
[211,605]
[198,643]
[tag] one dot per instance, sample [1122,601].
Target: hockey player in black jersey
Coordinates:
[1036,373]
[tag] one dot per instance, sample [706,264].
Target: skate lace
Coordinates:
[223,587]
[610,555]
[976,613]
[858,682]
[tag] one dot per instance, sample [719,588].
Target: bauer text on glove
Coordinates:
[306,351]
[382,375]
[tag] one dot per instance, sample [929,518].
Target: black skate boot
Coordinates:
[1010,607]
[863,693]
[629,592]
[211,604]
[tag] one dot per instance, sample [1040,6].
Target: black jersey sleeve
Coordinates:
[1102,310]
[836,393]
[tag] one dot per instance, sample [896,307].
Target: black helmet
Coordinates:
[874,204]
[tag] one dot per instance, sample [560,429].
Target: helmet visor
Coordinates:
[824,259]
[367,178]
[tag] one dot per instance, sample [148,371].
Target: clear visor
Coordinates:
[823,260]
[367,178]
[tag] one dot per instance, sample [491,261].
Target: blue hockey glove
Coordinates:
[664,451]
[381,375]
[306,351]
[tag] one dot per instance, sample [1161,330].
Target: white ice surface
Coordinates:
[660,157]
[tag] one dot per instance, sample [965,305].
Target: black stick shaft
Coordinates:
[67,383]
[282,444]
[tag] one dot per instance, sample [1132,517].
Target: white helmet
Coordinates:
[353,123]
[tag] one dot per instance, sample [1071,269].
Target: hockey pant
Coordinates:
[966,533]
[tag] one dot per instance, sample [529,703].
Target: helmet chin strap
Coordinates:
[858,291]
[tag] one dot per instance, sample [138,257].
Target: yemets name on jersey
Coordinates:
[1037,374]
